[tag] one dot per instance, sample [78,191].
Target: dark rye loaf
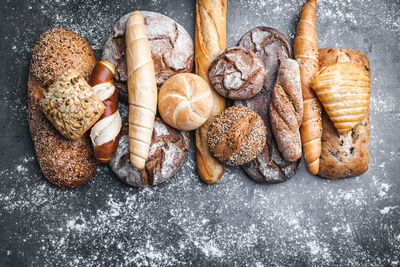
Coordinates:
[171,49]
[65,163]
[168,150]
[272,47]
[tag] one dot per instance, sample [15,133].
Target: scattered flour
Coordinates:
[184,221]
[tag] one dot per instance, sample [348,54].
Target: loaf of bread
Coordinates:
[344,155]
[237,73]
[236,135]
[142,89]
[65,163]
[168,150]
[171,49]
[210,39]
[306,54]
[286,110]
[71,105]
[343,89]
[185,101]
[272,47]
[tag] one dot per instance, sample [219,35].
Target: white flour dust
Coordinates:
[235,220]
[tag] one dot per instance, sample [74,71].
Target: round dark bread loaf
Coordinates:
[58,50]
[236,135]
[65,163]
[271,46]
[236,73]
[168,150]
[171,49]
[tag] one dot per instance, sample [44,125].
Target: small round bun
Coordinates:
[237,73]
[236,135]
[58,50]
[185,101]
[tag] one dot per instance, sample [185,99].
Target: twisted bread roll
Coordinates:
[105,133]
[210,39]
[306,54]
[142,90]
[286,110]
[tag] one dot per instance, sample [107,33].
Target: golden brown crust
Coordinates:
[346,155]
[210,39]
[185,101]
[286,110]
[306,54]
[58,50]
[65,163]
[142,89]
[343,89]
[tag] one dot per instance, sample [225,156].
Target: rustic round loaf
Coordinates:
[185,101]
[58,50]
[272,47]
[168,150]
[171,49]
[236,135]
[65,163]
[237,73]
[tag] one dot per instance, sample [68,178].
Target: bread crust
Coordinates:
[185,101]
[210,39]
[286,110]
[65,163]
[345,155]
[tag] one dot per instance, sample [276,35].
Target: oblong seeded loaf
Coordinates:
[344,155]
[65,163]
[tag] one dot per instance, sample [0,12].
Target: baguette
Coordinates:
[210,39]
[306,54]
[142,90]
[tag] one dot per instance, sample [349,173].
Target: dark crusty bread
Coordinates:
[237,73]
[272,47]
[345,155]
[171,49]
[65,163]
[168,150]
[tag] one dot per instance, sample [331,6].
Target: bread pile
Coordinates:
[282,102]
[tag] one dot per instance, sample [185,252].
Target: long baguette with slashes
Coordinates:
[142,90]
[105,133]
[306,54]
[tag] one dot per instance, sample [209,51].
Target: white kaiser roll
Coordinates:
[185,101]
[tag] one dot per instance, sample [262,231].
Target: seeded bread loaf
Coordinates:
[344,155]
[65,163]
[236,135]
[71,105]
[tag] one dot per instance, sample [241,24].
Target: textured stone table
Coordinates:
[305,221]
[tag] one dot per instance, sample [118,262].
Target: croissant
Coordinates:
[343,89]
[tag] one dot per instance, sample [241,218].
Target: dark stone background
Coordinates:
[305,221]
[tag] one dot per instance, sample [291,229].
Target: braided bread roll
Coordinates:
[210,39]
[286,110]
[306,54]
[142,90]
[105,133]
